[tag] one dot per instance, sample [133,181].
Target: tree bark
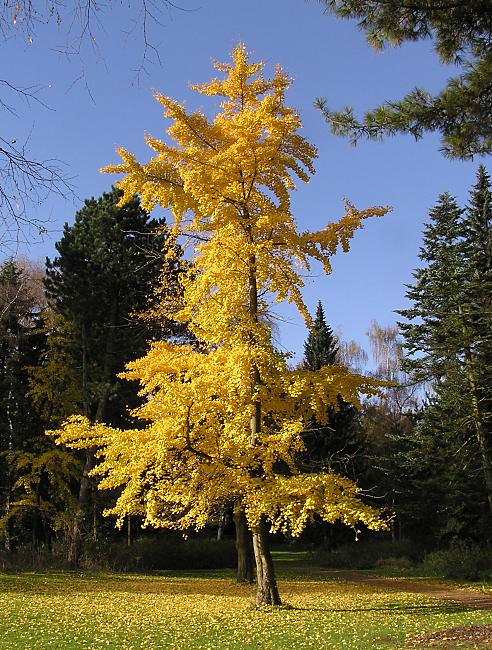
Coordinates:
[481,433]
[129,538]
[267,592]
[75,541]
[244,548]
[8,528]
[222,523]
[85,392]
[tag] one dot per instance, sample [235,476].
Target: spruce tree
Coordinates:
[448,328]
[476,316]
[335,444]
[321,346]
[432,332]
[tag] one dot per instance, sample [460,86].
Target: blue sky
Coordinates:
[325,57]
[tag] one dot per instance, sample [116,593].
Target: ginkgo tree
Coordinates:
[224,417]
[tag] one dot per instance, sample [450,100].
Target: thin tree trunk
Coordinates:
[243,547]
[75,533]
[85,392]
[222,523]
[37,525]
[267,592]
[95,534]
[75,541]
[393,523]
[9,524]
[129,539]
[480,431]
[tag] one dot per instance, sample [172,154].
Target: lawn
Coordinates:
[209,610]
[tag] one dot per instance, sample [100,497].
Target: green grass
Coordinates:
[209,610]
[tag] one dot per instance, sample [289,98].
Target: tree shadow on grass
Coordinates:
[426,608]
[174,583]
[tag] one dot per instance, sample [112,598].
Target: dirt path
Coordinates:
[476,599]
[469,636]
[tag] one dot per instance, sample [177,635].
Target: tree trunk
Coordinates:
[129,539]
[95,532]
[244,548]
[222,523]
[9,524]
[85,392]
[75,531]
[267,592]
[8,528]
[37,523]
[480,430]
[75,541]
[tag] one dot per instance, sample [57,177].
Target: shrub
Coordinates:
[368,555]
[27,559]
[463,560]
[146,554]
[159,553]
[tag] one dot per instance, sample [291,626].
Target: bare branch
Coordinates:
[25,183]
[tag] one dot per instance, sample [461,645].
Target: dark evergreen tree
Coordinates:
[433,332]
[321,346]
[335,445]
[462,32]
[21,341]
[443,462]
[448,338]
[475,314]
[108,262]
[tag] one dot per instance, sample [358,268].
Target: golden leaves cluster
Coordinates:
[227,181]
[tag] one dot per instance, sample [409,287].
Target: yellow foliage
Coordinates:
[52,469]
[228,183]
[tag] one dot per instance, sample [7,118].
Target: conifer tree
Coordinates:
[475,314]
[225,418]
[321,346]
[461,32]
[432,335]
[108,263]
[334,444]
[21,341]
[449,330]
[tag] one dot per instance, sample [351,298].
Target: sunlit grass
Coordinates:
[197,610]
